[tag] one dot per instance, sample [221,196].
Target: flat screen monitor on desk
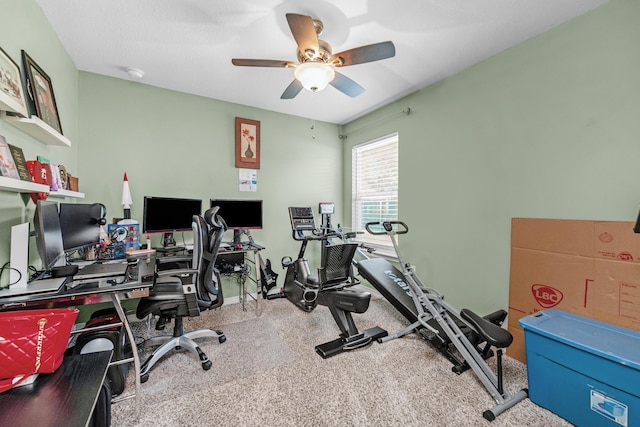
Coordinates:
[239,215]
[169,215]
[80,225]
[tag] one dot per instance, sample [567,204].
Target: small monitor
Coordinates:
[48,234]
[80,225]
[168,215]
[240,214]
[327,208]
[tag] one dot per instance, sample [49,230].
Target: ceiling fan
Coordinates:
[316,63]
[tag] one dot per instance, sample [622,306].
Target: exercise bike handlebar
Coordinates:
[299,236]
[388,227]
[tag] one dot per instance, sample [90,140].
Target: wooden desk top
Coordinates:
[65,398]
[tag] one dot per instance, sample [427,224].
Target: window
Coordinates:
[374,188]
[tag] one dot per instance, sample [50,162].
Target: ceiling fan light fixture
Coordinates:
[314,76]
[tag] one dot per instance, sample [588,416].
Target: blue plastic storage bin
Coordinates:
[584,370]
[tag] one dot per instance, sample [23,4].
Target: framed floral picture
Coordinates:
[247,143]
[11,95]
[40,91]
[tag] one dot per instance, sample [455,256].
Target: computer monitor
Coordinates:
[168,215]
[48,235]
[80,225]
[239,215]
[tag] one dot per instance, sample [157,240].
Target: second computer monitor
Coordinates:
[239,214]
[168,215]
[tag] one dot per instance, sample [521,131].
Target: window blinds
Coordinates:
[375,185]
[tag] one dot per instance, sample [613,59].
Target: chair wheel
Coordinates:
[144,378]
[222,339]
[207,365]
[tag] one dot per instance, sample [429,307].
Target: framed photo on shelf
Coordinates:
[7,165]
[247,143]
[40,91]
[21,162]
[11,95]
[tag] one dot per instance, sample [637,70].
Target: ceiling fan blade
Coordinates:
[304,32]
[362,54]
[345,85]
[292,90]
[262,63]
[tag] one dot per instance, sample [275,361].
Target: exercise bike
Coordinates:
[464,337]
[328,287]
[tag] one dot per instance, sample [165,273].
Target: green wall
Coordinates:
[546,129]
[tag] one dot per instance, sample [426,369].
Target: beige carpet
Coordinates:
[268,374]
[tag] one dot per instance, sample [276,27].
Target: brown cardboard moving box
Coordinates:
[590,268]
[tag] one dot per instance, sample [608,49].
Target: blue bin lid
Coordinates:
[613,342]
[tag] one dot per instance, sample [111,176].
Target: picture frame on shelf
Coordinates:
[73,183]
[40,92]
[7,165]
[64,177]
[247,143]
[21,162]
[12,97]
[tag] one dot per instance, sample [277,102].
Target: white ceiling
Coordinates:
[187,45]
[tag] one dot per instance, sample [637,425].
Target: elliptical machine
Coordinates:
[306,290]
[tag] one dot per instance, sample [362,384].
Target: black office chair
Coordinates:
[171,298]
[335,274]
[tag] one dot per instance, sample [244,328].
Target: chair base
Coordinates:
[170,343]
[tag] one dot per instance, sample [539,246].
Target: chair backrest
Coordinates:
[199,229]
[337,266]
[217,228]
[208,233]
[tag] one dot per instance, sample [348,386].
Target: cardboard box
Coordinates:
[590,268]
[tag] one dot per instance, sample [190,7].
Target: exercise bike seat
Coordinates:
[347,300]
[492,334]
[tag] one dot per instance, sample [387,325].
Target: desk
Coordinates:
[55,293]
[233,255]
[65,398]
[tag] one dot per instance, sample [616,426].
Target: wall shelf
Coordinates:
[37,128]
[19,186]
[9,104]
[66,193]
